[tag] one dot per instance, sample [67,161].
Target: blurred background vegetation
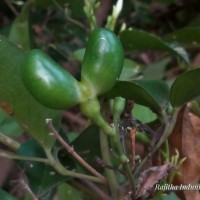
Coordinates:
[61,28]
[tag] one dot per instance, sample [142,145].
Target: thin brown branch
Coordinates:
[132,134]
[71,151]
[27,189]
[23,184]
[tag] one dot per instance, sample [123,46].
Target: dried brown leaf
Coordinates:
[150,177]
[186,138]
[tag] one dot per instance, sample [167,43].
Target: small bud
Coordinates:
[117,8]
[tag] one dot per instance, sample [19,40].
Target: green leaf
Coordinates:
[5,196]
[71,136]
[20,30]
[87,145]
[188,36]
[8,126]
[79,54]
[65,191]
[170,196]
[151,93]
[141,40]
[185,88]
[130,70]
[156,70]
[18,102]
[143,113]
[42,178]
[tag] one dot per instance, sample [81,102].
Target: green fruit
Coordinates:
[103,61]
[49,83]
[54,87]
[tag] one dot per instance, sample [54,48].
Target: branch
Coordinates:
[110,174]
[71,151]
[118,107]
[9,142]
[9,155]
[53,164]
[168,130]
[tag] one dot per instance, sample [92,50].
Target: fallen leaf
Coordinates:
[186,138]
[150,177]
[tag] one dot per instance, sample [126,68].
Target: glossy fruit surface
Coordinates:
[103,61]
[48,82]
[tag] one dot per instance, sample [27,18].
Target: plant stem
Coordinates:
[71,151]
[168,130]
[110,174]
[91,109]
[116,118]
[105,127]
[9,142]
[50,161]
[118,108]
[26,187]
[63,171]
[167,154]
[9,155]
[116,140]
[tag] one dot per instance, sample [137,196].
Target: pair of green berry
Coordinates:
[56,88]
